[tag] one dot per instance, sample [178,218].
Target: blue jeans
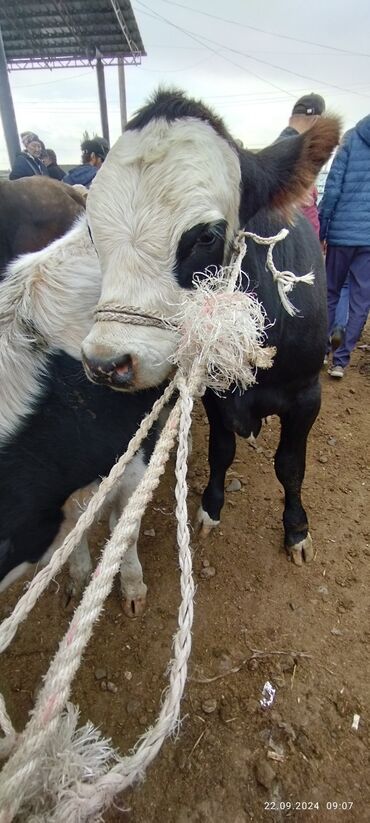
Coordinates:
[352,263]
[342,310]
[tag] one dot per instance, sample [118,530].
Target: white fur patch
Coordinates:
[53,291]
[155,184]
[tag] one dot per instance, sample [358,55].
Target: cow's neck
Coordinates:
[21,369]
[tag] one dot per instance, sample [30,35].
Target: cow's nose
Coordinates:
[117,373]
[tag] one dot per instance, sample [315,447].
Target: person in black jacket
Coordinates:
[49,160]
[28,162]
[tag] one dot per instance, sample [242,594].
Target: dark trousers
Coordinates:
[352,262]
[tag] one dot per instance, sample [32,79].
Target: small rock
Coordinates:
[342,705]
[352,391]
[103,685]
[252,705]
[133,706]
[287,664]
[234,485]
[205,564]
[100,674]
[278,748]
[149,532]
[208,572]
[128,675]
[346,604]
[337,632]
[332,441]
[307,746]
[181,759]
[265,774]
[323,459]
[265,735]
[209,705]
[288,730]
[241,817]
[323,590]
[112,687]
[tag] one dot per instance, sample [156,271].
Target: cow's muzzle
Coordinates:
[118,373]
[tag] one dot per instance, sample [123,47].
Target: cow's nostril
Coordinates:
[123,368]
[117,372]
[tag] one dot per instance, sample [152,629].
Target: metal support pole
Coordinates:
[122,92]
[102,99]
[7,108]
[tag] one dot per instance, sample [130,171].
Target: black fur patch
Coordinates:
[200,247]
[174,105]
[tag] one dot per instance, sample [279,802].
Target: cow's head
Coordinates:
[165,205]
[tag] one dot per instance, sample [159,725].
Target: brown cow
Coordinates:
[33,212]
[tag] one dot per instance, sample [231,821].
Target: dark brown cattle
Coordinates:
[33,212]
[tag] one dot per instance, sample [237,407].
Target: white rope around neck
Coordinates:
[285,280]
[57,772]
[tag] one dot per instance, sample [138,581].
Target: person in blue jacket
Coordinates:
[94,153]
[345,231]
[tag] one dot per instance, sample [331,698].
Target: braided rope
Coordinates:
[127,314]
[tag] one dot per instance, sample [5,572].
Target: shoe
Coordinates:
[337,337]
[336,371]
[325,360]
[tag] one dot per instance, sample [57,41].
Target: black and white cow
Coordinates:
[58,432]
[166,204]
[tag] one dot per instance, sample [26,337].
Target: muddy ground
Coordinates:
[306,630]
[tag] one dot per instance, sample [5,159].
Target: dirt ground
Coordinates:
[306,630]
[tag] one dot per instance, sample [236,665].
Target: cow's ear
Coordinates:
[278,177]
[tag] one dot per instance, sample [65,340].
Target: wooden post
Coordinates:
[7,108]
[102,99]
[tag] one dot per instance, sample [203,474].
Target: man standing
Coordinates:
[345,229]
[305,113]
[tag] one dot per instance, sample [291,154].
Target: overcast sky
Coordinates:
[248,59]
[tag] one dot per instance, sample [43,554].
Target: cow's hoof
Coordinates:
[134,606]
[302,551]
[204,523]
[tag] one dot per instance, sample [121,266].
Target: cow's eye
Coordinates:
[207,237]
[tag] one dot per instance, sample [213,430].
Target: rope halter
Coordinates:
[285,281]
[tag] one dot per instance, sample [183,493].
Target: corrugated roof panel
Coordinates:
[78,30]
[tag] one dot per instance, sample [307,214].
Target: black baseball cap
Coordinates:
[309,104]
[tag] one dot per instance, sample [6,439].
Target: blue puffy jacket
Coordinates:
[345,206]
[83,175]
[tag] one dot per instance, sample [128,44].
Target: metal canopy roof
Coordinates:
[63,33]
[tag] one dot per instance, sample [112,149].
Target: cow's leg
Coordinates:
[290,462]
[221,453]
[79,562]
[132,584]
